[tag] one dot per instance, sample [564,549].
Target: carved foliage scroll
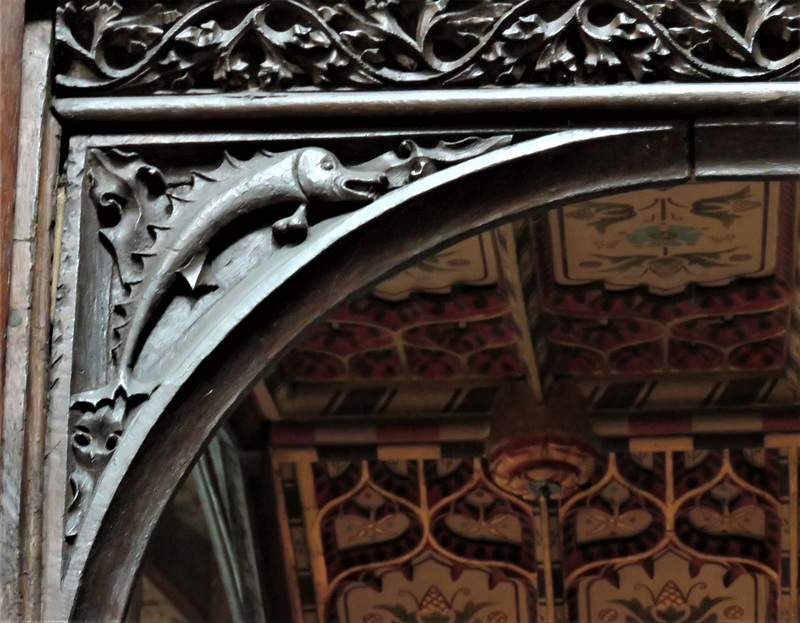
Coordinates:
[159,229]
[104,46]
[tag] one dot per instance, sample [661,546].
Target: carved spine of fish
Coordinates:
[155,242]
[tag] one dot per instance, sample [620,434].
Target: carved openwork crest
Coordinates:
[107,46]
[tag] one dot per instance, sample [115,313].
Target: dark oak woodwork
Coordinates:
[192,257]
[211,357]
[403,225]
[12,16]
[27,333]
[319,44]
[11,29]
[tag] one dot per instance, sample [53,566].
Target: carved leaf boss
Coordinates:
[108,46]
[159,230]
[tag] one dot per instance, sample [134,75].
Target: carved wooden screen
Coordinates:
[235,170]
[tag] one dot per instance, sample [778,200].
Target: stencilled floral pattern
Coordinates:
[652,537]
[446,317]
[664,281]
[666,239]
[415,541]
[664,236]
[715,555]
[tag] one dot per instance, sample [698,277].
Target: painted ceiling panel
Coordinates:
[659,299]
[447,317]
[634,294]
[665,239]
[697,277]
[684,537]
[409,540]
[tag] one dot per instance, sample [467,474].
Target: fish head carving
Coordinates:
[322,176]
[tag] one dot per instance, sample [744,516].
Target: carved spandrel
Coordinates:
[158,229]
[106,46]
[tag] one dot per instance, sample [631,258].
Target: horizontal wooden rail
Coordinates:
[663,99]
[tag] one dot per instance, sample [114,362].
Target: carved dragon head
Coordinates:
[322,176]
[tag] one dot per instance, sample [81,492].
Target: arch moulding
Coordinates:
[164,322]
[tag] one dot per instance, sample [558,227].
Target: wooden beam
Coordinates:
[30,141]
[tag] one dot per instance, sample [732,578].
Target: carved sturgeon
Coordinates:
[159,232]
[162,235]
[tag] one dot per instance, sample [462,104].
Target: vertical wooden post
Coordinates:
[28,166]
[12,23]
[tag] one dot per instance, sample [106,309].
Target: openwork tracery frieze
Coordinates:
[105,46]
[175,240]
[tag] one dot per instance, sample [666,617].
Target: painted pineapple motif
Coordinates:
[434,607]
[672,606]
[671,598]
[434,601]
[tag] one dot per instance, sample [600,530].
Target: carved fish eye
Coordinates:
[327,164]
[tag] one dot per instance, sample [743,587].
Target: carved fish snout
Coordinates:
[322,177]
[364,186]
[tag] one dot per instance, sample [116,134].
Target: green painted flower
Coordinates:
[664,236]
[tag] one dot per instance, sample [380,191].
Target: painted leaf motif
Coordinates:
[721,208]
[597,525]
[602,215]
[355,531]
[747,521]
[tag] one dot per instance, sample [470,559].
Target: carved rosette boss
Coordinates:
[541,451]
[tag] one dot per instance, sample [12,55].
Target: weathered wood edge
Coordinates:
[28,330]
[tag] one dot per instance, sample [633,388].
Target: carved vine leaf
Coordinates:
[131,200]
[324,44]
[159,232]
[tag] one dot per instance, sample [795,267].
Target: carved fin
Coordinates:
[234,162]
[192,269]
[293,228]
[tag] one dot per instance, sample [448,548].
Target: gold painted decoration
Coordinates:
[504,527]
[470,262]
[528,465]
[354,530]
[658,537]
[747,521]
[678,589]
[432,593]
[595,524]
[665,239]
